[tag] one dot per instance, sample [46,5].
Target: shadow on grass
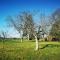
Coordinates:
[50,46]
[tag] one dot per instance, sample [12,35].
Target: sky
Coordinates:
[13,7]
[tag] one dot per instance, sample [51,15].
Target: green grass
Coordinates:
[15,50]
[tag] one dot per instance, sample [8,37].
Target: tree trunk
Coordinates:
[21,35]
[28,37]
[37,47]
[21,40]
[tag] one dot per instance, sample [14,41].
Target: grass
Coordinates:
[15,50]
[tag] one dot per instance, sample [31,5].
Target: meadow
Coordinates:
[15,50]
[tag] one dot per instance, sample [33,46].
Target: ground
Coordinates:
[15,50]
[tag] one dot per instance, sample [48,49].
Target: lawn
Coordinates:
[15,50]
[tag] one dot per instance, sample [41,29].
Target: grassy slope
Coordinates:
[15,50]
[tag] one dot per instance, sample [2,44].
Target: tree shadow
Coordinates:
[50,46]
[44,46]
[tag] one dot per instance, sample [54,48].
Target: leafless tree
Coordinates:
[23,23]
[28,23]
[16,23]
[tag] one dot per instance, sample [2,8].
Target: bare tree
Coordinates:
[17,24]
[28,23]
[23,23]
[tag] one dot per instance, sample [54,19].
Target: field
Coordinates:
[15,50]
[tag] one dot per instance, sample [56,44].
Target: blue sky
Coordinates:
[13,7]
